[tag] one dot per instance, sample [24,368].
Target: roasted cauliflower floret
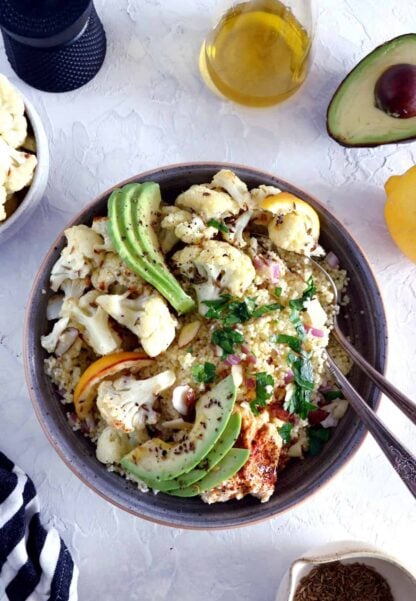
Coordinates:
[50,341]
[112,445]
[13,125]
[20,172]
[100,226]
[126,404]
[78,258]
[186,226]
[262,192]
[237,189]
[147,316]
[112,272]
[93,321]
[235,230]
[208,203]
[220,264]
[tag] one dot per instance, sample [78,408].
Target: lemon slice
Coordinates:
[285,203]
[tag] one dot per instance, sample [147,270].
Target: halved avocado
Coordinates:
[355,116]
[132,212]
[157,460]
[225,469]
[222,446]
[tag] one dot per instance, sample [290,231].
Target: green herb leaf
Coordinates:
[204,373]
[302,369]
[266,309]
[299,402]
[226,338]
[231,312]
[218,225]
[278,291]
[331,395]
[294,342]
[318,436]
[308,293]
[264,390]
[285,432]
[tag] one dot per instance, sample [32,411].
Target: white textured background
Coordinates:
[148,107]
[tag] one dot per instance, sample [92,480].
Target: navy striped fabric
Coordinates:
[35,564]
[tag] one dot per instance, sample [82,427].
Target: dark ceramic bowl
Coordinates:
[366,325]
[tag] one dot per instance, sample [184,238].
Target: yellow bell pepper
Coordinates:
[400,211]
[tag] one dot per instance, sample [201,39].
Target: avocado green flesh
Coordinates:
[131,212]
[353,118]
[223,445]
[225,469]
[157,460]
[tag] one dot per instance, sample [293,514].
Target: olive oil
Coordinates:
[257,55]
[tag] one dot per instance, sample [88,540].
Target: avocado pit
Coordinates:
[395,91]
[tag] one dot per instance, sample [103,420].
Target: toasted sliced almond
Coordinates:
[188,333]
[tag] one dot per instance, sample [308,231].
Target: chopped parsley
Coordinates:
[278,291]
[285,432]
[308,293]
[300,401]
[266,309]
[264,390]
[294,342]
[302,369]
[226,338]
[318,436]
[231,311]
[218,225]
[331,395]
[204,374]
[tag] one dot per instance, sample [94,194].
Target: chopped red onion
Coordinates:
[326,387]
[289,377]
[258,262]
[251,359]
[274,272]
[332,260]
[314,331]
[317,416]
[245,349]
[232,360]
[250,383]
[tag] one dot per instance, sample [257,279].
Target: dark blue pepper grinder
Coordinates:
[53,45]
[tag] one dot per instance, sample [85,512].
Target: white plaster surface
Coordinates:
[148,107]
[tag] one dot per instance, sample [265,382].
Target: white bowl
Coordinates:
[37,188]
[401,581]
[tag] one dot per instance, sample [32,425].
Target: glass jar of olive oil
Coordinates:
[258,52]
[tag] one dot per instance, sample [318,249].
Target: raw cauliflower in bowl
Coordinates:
[17,149]
[188,340]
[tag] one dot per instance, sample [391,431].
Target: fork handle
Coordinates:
[398,398]
[401,459]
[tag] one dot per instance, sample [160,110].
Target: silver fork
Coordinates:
[401,458]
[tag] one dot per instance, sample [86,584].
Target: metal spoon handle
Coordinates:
[401,459]
[398,398]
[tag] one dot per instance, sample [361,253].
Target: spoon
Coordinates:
[401,458]
[398,398]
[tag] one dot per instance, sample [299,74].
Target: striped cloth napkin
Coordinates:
[35,564]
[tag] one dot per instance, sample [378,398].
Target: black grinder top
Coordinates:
[53,45]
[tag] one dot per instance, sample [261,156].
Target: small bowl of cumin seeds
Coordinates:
[347,571]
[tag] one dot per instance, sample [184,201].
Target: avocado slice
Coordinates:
[132,212]
[158,460]
[354,117]
[225,469]
[225,442]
